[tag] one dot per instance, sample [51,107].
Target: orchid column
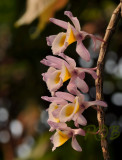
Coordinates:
[68,106]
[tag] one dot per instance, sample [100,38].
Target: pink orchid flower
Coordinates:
[53,111]
[62,40]
[62,70]
[74,109]
[64,133]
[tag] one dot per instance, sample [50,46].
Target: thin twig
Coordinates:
[99,82]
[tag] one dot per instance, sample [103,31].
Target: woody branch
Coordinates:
[99,81]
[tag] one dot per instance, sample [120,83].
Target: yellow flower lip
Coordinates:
[68,37]
[69,110]
[62,40]
[77,107]
[71,37]
[57,78]
[65,75]
[63,137]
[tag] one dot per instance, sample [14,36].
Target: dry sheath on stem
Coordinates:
[99,81]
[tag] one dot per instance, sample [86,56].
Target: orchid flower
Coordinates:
[74,109]
[73,33]
[65,106]
[54,108]
[62,70]
[64,133]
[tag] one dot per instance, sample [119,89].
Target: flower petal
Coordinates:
[69,60]
[79,119]
[66,96]
[54,82]
[82,120]
[52,107]
[94,38]
[65,73]
[50,40]
[48,73]
[82,51]
[59,138]
[55,126]
[81,98]
[78,132]
[60,23]
[57,61]
[70,38]
[55,100]
[81,84]
[59,44]
[56,112]
[72,86]
[75,144]
[76,102]
[73,19]
[51,64]
[67,112]
[97,102]
[88,70]
[62,40]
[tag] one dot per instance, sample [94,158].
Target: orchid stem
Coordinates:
[99,81]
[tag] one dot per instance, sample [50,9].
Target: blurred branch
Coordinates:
[121,7]
[8,152]
[99,82]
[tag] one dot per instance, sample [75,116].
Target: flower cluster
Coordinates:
[67,106]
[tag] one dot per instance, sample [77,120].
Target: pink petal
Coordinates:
[78,132]
[68,59]
[81,98]
[88,70]
[56,48]
[50,40]
[48,63]
[56,112]
[75,144]
[83,34]
[54,99]
[64,116]
[47,74]
[75,117]
[57,61]
[60,23]
[53,107]
[94,38]
[81,120]
[74,20]
[72,88]
[52,86]
[97,102]
[81,84]
[60,126]
[60,137]
[82,51]
[81,74]
[51,128]
[66,96]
